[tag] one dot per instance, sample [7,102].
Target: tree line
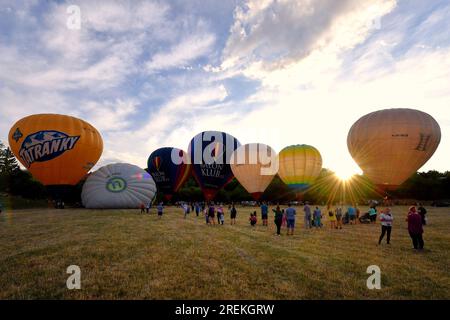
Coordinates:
[422,186]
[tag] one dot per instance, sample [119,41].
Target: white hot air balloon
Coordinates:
[119,186]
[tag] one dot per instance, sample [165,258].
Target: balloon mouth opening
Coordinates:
[256,195]
[299,187]
[387,187]
[209,194]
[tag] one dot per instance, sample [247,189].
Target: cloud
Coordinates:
[280,32]
[183,53]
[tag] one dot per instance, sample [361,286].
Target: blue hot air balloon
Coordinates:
[169,168]
[210,154]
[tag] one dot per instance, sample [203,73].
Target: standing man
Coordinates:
[264,213]
[386,225]
[415,228]
[351,215]
[290,219]
[307,211]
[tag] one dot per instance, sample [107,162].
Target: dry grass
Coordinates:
[124,255]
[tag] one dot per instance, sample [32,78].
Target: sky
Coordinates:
[150,74]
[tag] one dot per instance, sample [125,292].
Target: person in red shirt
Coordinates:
[415,228]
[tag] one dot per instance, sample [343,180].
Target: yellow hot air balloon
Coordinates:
[56,149]
[299,166]
[254,165]
[390,145]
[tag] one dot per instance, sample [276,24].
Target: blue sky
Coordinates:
[150,74]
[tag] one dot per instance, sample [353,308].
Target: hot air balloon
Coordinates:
[210,154]
[390,145]
[254,165]
[299,166]
[169,168]
[57,149]
[118,186]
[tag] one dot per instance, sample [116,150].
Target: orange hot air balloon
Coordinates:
[390,145]
[56,149]
[254,165]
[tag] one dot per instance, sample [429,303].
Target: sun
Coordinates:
[345,174]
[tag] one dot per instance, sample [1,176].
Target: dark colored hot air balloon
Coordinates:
[169,168]
[210,154]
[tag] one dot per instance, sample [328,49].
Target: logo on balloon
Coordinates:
[157,162]
[116,184]
[45,145]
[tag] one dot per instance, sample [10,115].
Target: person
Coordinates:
[185,207]
[206,215]
[339,217]
[219,213]
[386,225]
[290,219]
[351,215]
[264,214]
[415,228]
[197,209]
[142,206]
[373,214]
[1,208]
[211,214]
[278,219]
[317,218]
[159,209]
[253,219]
[192,207]
[149,205]
[283,221]
[331,217]
[422,212]
[233,213]
[307,211]
[358,213]
[222,217]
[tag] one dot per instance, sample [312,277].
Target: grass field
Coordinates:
[124,255]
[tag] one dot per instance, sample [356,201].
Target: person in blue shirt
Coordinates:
[264,214]
[317,218]
[290,219]
[351,215]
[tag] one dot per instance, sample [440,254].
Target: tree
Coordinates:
[8,162]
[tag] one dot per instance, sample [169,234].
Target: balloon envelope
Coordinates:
[169,168]
[254,165]
[299,166]
[390,145]
[56,149]
[118,185]
[210,154]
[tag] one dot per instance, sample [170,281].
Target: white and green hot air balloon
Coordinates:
[118,186]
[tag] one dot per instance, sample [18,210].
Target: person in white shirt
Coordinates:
[386,225]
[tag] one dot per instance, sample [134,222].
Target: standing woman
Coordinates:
[386,225]
[331,217]
[211,214]
[219,213]
[278,219]
[339,217]
[233,213]
[415,228]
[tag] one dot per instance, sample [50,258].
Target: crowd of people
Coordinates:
[312,217]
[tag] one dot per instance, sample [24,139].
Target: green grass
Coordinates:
[124,255]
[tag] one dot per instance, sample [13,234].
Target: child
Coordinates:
[253,219]
[222,217]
